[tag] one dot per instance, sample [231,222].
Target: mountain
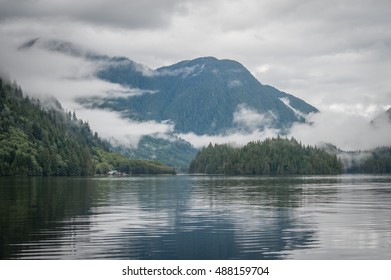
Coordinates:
[202,96]
[177,153]
[63,47]
[39,138]
[382,119]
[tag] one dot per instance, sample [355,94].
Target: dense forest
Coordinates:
[42,139]
[288,157]
[277,156]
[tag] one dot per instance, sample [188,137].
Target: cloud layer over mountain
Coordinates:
[336,55]
[340,49]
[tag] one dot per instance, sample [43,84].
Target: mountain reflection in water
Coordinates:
[196,217]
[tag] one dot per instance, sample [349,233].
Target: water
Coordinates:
[196,217]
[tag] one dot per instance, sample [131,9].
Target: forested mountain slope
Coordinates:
[41,139]
[200,95]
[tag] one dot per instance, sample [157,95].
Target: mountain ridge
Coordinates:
[201,96]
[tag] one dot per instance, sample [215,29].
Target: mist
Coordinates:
[237,138]
[44,74]
[347,132]
[247,125]
[110,125]
[69,79]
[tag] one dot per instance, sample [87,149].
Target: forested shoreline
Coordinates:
[38,138]
[43,140]
[277,156]
[280,156]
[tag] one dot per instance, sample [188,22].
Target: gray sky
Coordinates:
[335,54]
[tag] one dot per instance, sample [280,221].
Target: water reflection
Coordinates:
[188,217]
[31,204]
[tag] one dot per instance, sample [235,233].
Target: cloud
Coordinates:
[347,132]
[116,13]
[112,126]
[250,125]
[357,109]
[248,119]
[183,72]
[42,73]
[123,92]
[350,160]
[338,59]
[323,58]
[234,83]
[234,138]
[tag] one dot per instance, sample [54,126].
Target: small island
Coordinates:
[276,156]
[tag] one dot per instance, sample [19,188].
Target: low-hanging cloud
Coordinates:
[347,132]
[248,125]
[234,83]
[235,138]
[182,72]
[125,132]
[42,73]
[247,119]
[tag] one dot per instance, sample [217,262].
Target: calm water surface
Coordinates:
[196,217]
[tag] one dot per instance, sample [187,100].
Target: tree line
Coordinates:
[276,156]
[42,139]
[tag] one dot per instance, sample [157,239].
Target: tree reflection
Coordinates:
[181,217]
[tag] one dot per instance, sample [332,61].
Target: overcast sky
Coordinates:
[334,54]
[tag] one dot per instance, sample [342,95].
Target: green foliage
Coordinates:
[271,157]
[37,140]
